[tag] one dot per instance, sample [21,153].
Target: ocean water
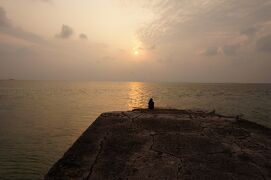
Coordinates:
[39,120]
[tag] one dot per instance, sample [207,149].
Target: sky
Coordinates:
[213,41]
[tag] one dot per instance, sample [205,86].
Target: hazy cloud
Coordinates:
[65,32]
[227,50]
[251,31]
[264,44]
[210,51]
[107,58]
[83,36]
[234,37]
[147,48]
[46,1]
[152,47]
[6,27]
[4,21]
[177,19]
[231,49]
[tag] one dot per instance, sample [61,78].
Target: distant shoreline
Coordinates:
[163,82]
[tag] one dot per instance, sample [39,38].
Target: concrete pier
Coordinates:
[168,144]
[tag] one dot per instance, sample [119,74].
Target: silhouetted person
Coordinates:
[151,104]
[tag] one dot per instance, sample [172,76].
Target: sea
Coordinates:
[40,120]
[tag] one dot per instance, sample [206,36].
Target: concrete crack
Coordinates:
[179,170]
[132,118]
[96,158]
[132,165]
[255,165]
[161,152]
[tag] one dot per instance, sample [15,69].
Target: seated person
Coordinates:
[151,104]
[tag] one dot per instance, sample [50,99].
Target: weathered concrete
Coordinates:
[168,144]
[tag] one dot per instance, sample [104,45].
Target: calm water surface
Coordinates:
[39,120]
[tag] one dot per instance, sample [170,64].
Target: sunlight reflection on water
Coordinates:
[137,95]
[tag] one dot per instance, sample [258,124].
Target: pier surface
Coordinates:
[168,144]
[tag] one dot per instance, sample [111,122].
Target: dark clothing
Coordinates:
[151,104]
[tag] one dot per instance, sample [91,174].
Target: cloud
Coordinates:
[46,1]
[251,31]
[65,32]
[107,58]
[83,36]
[173,16]
[264,44]
[146,48]
[7,28]
[4,21]
[230,49]
[227,50]
[210,51]
[175,19]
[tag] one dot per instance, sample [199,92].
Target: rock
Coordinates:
[168,144]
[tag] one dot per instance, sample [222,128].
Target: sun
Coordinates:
[136,53]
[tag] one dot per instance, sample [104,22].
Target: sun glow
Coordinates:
[136,52]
